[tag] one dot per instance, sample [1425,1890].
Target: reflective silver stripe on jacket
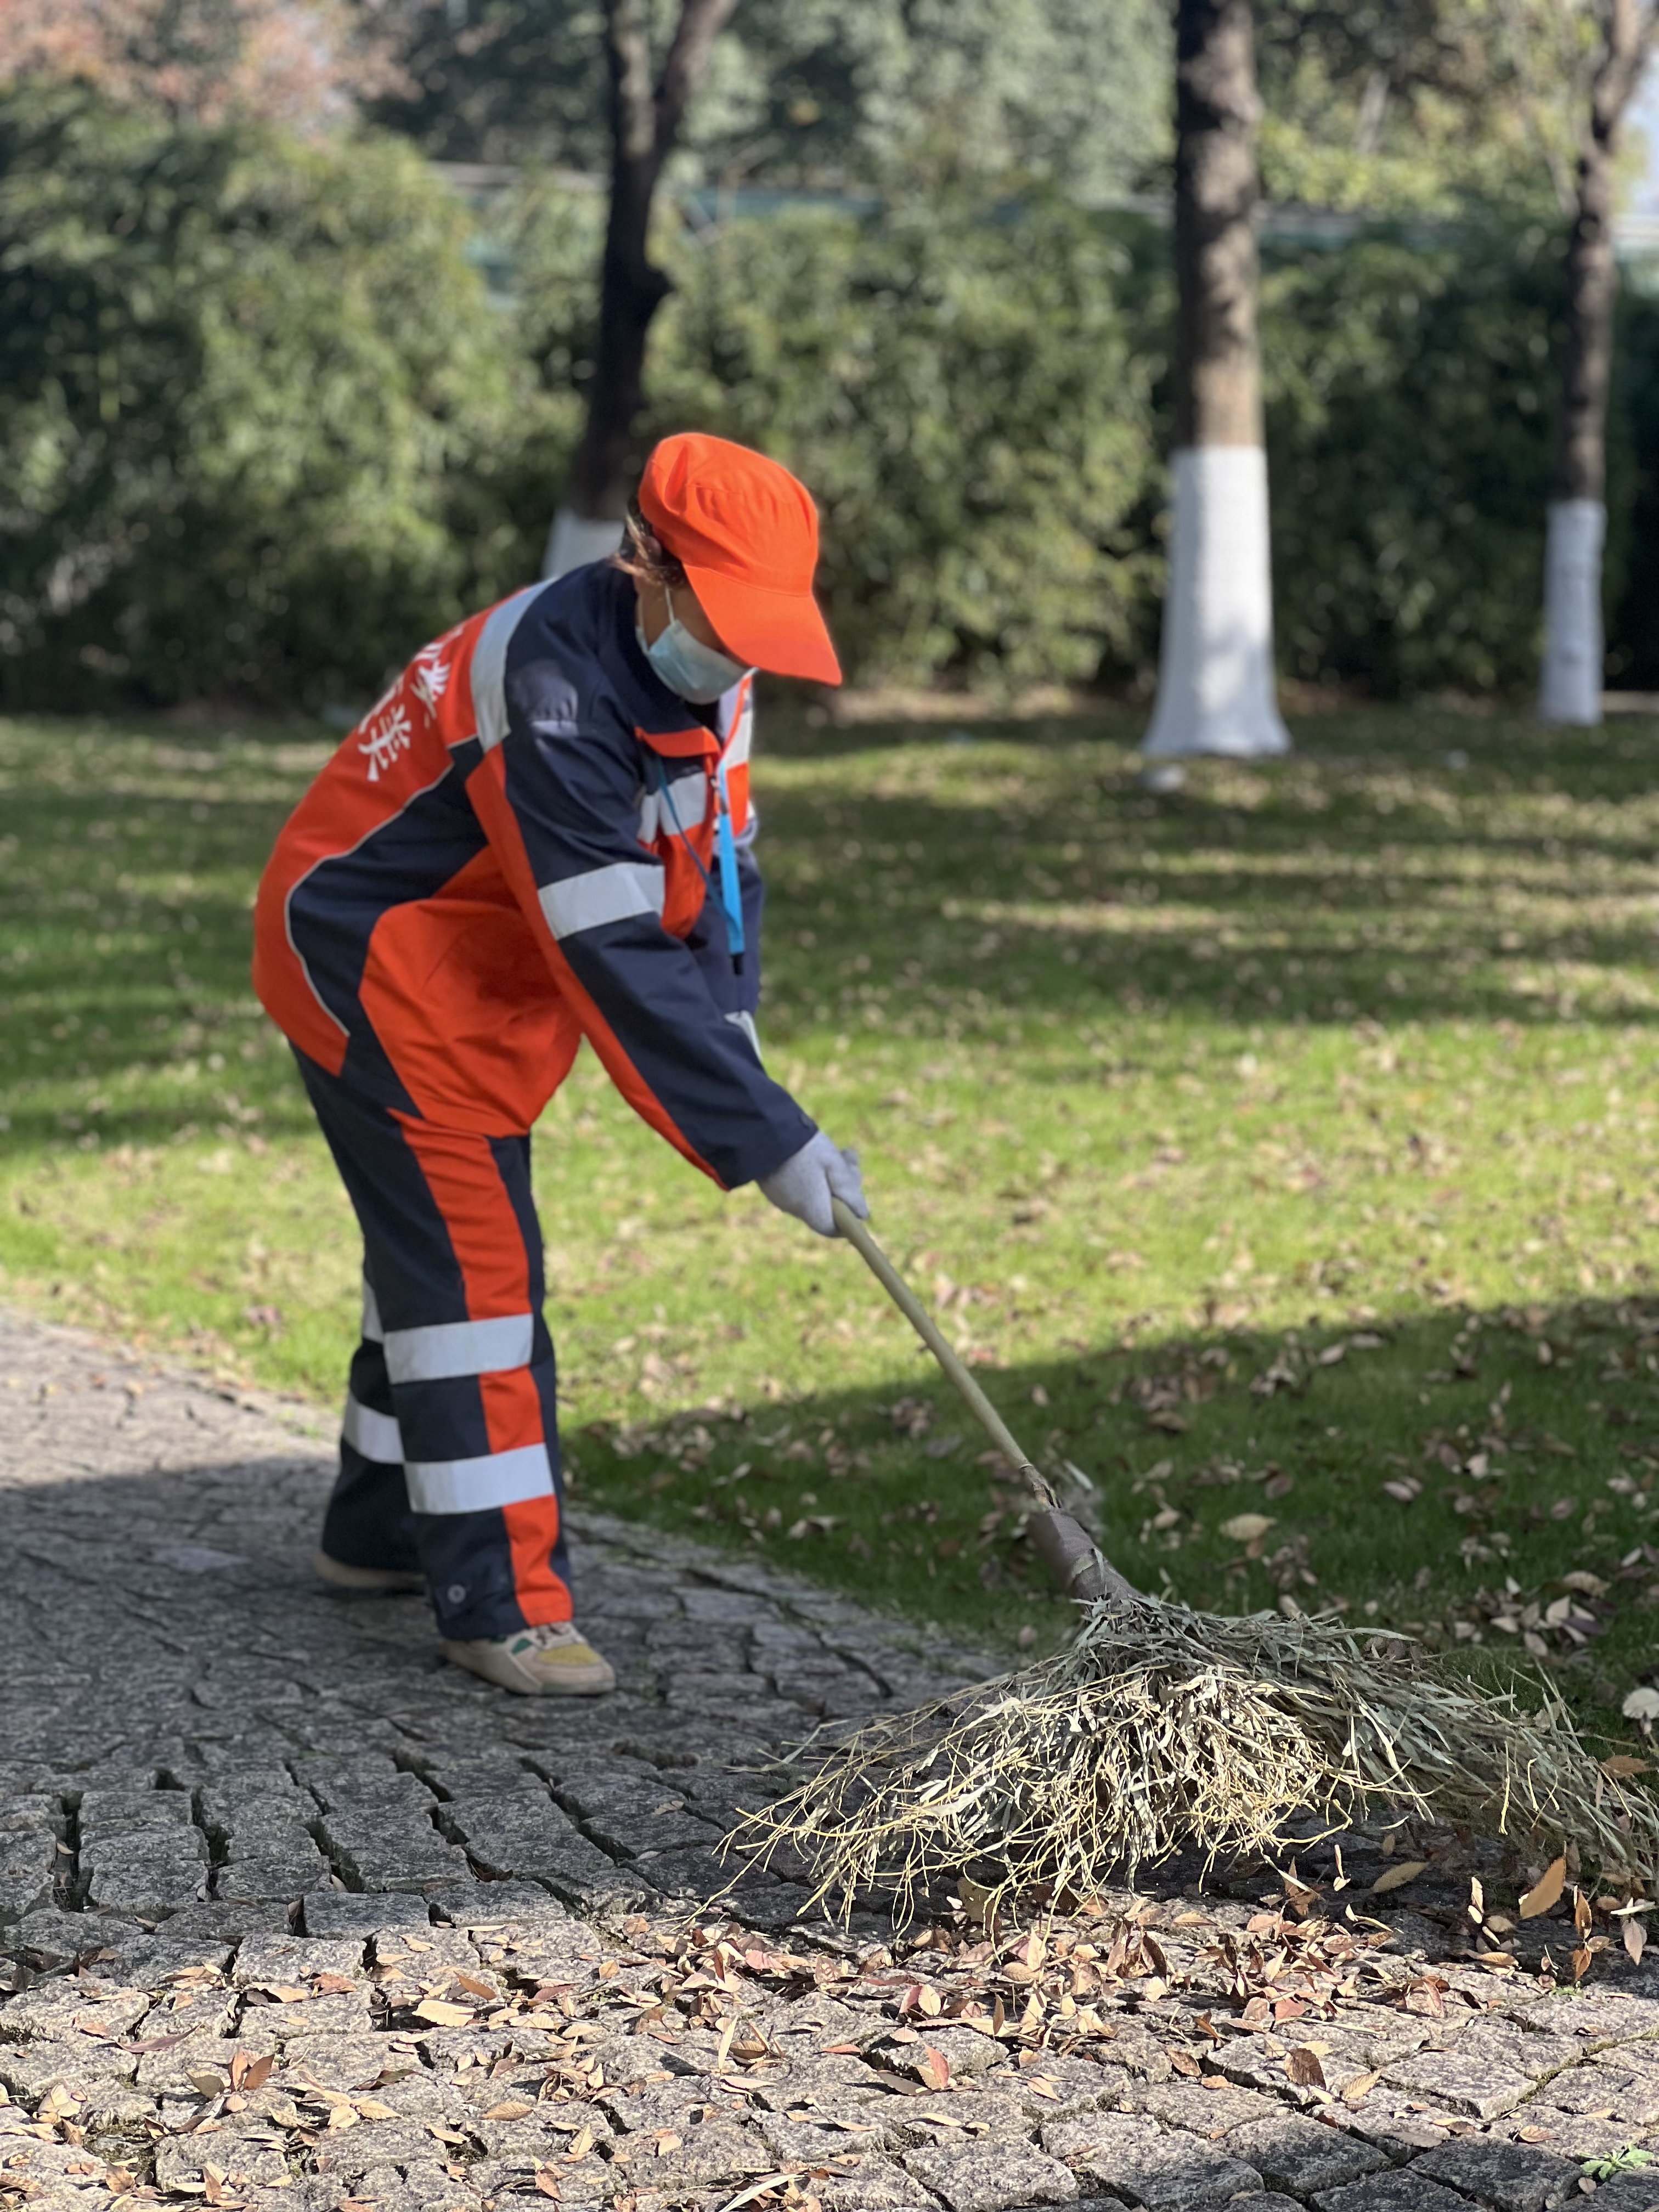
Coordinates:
[616,893]
[658,819]
[470,1486]
[490,666]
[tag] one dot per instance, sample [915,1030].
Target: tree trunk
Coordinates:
[644,126]
[1569,687]
[1215,691]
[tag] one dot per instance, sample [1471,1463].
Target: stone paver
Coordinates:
[1507,2177]
[291,1914]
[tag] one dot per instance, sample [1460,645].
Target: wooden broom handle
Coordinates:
[857,1234]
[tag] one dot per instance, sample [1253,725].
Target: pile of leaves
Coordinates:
[1161,1729]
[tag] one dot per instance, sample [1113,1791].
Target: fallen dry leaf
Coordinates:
[1246,1528]
[150,2043]
[507,2112]
[1551,1883]
[1355,2093]
[1623,1764]
[1635,1939]
[441,2014]
[934,2069]
[547,2181]
[976,1898]
[1301,2066]
[1396,1876]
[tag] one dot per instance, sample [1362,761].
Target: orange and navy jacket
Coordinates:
[512,852]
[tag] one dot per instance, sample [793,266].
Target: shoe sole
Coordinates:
[338,1575]
[594,1686]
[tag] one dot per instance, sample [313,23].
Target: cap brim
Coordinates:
[783,632]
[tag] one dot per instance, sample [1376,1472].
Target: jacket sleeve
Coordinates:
[560,805]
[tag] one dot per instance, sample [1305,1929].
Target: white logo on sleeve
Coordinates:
[431,674]
[386,735]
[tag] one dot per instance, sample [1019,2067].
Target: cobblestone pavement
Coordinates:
[292,1915]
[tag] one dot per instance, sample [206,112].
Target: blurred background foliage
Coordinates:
[265,425]
[256,422]
[808,94]
[1412,384]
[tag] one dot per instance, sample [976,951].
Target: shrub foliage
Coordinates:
[263,429]
[254,409]
[965,398]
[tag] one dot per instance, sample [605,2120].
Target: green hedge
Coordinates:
[262,432]
[966,401]
[1412,387]
[256,418]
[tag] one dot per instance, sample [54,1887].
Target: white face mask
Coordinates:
[690,669]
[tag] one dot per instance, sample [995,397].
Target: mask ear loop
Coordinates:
[729,897]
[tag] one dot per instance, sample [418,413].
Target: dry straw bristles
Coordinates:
[1160,1729]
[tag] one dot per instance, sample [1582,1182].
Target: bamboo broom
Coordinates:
[1160,1729]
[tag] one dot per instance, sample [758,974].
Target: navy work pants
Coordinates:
[449,1450]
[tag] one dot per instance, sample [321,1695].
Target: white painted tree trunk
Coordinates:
[1569,688]
[1215,679]
[575,540]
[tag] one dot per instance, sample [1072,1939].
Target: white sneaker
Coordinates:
[554,1659]
[341,1576]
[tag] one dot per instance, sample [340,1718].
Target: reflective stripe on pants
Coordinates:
[449,1451]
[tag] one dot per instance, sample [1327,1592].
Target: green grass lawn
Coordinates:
[1284,1149]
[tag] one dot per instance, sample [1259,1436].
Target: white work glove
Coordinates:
[810,1178]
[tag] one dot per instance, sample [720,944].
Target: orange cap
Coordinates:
[746,533]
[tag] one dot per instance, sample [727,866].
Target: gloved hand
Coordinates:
[810,1178]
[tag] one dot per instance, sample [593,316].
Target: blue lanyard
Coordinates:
[730,896]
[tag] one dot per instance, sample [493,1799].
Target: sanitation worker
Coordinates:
[541,834]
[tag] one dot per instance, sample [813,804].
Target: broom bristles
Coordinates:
[1160,1729]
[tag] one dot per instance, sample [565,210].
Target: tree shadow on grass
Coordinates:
[1486,1482]
[1347,883]
[1363,880]
[125,908]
